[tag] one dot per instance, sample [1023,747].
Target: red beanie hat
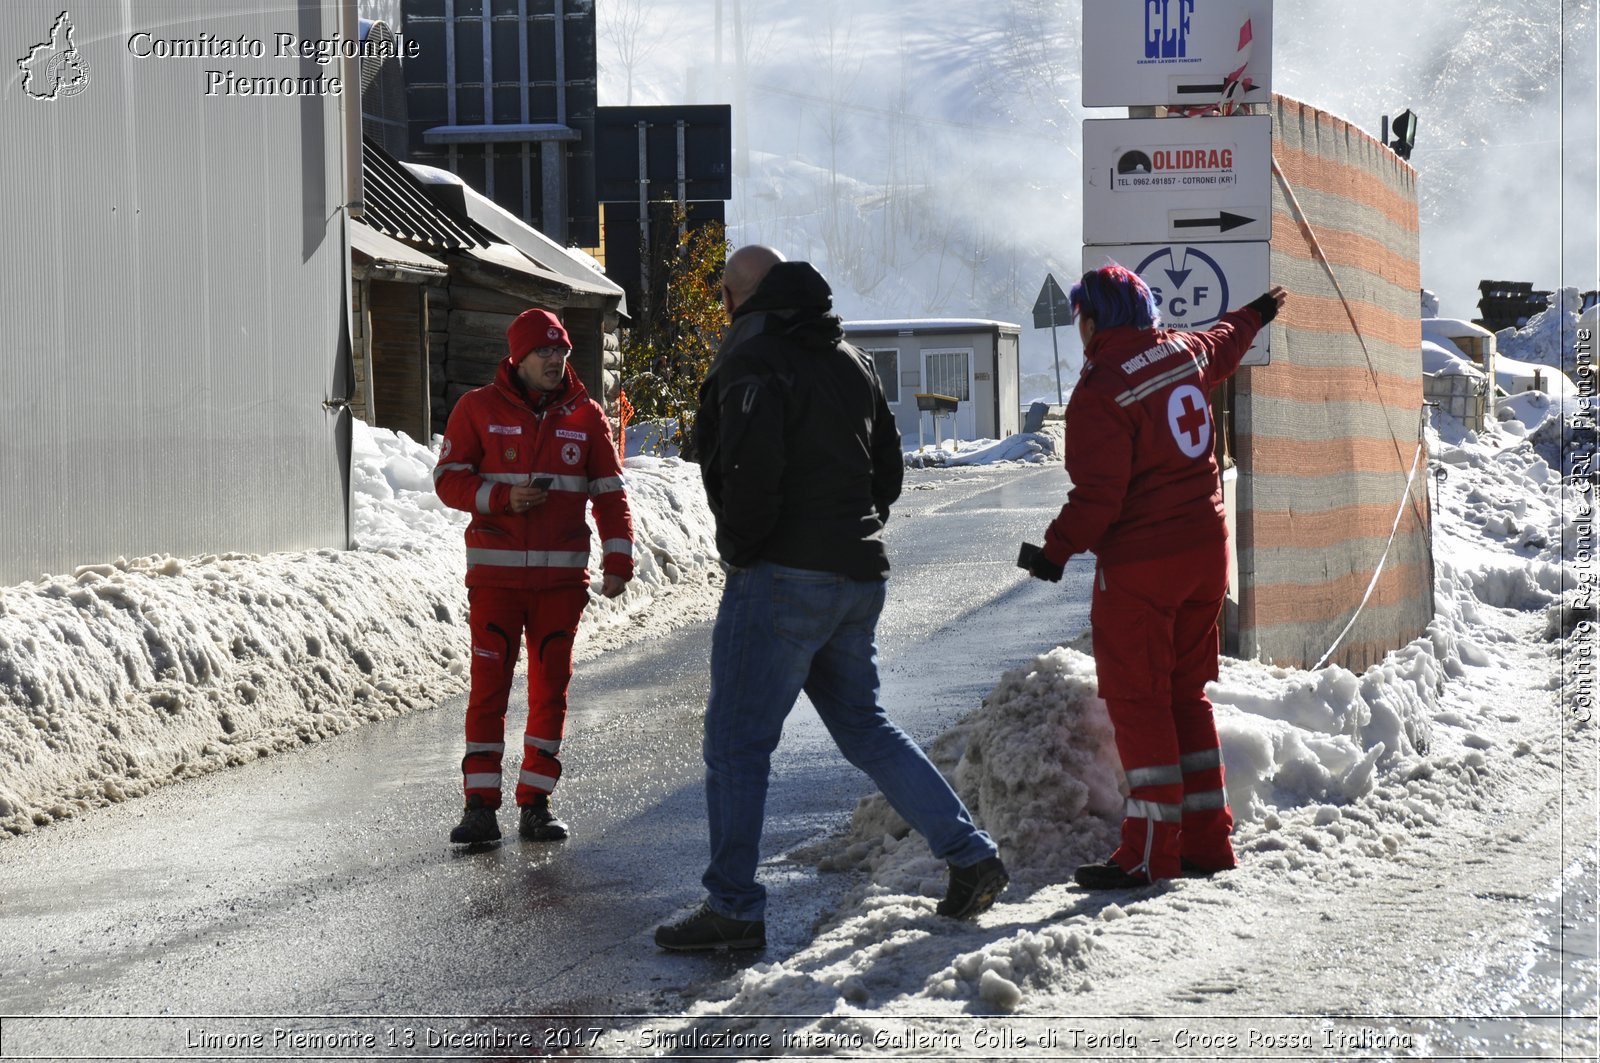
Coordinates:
[534,329]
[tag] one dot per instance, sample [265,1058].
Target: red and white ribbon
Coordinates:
[1234,84]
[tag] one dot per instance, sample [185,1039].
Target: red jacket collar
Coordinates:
[1109,346]
[570,391]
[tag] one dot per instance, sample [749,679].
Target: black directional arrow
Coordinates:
[1223,222]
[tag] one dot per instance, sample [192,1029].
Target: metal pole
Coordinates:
[1055,346]
[683,177]
[644,211]
[561,63]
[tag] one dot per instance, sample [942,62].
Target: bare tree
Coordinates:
[624,27]
[843,230]
[1037,62]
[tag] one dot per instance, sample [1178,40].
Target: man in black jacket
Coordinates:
[801,462]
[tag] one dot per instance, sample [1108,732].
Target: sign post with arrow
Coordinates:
[1185,200]
[1149,179]
[1176,52]
[1052,309]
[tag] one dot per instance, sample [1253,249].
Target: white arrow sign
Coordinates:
[1199,179]
[1174,52]
[1195,284]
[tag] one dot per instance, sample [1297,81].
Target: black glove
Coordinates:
[1032,558]
[1266,306]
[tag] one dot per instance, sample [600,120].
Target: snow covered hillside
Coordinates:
[927,158]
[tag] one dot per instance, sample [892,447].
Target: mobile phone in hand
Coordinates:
[542,482]
[1026,554]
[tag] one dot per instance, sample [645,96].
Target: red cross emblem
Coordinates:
[1189,420]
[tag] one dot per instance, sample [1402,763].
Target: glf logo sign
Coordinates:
[1166,28]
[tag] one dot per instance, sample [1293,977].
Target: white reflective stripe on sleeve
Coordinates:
[1154,811]
[485,492]
[605,484]
[524,479]
[543,743]
[527,558]
[483,780]
[486,747]
[617,546]
[1205,801]
[537,781]
[1201,760]
[1158,775]
[454,466]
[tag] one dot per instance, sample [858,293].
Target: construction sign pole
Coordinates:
[1054,346]
[1048,311]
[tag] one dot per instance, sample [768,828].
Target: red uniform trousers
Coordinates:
[1155,647]
[500,617]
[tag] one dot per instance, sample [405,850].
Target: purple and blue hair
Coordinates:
[1114,295]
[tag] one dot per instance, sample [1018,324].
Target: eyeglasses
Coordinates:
[550,352]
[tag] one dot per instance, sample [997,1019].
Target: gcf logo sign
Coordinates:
[1188,284]
[54,69]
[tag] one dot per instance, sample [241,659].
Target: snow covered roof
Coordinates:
[1453,326]
[920,325]
[580,273]
[1438,359]
[387,251]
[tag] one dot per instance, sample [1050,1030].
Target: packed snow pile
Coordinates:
[1550,336]
[1031,448]
[1443,358]
[652,439]
[130,674]
[1038,765]
[1334,777]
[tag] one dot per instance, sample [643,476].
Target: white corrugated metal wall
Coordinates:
[173,289]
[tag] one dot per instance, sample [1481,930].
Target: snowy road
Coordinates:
[319,883]
[1444,907]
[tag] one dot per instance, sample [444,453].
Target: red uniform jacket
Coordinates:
[1140,442]
[499,436]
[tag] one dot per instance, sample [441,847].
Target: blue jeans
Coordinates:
[779,631]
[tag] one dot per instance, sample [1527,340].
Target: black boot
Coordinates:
[973,889]
[705,929]
[478,824]
[538,824]
[1109,876]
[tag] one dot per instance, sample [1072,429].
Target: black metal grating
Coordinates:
[398,205]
